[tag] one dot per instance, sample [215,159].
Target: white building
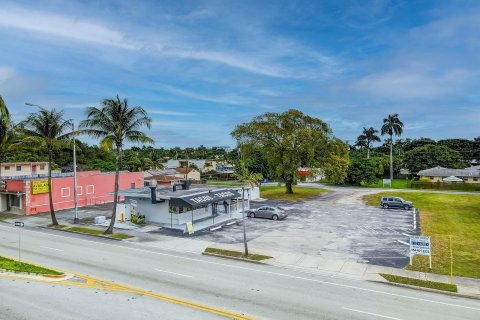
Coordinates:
[177,207]
[17,169]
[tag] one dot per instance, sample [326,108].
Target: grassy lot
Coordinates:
[224,183]
[13,265]
[396,184]
[420,283]
[299,193]
[4,215]
[99,233]
[442,216]
[237,254]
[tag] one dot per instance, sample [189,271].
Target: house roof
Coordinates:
[446,172]
[183,170]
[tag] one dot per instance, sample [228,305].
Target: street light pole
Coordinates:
[76,220]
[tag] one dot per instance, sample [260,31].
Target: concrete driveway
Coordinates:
[335,226]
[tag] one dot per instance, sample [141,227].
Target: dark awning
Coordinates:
[200,199]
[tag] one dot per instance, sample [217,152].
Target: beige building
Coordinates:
[16,169]
[441,174]
[192,174]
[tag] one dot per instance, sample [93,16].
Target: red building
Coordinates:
[29,194]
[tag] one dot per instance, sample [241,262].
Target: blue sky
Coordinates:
[200,67]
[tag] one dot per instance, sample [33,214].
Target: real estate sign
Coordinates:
[39,186]
[420,245]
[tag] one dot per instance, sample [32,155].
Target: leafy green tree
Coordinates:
[362,170]
[392,126]
[46,129]
[368,136]
[429,156]
[115,123]
[290,140]
[7,139]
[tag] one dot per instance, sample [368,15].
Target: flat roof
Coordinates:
[26,162]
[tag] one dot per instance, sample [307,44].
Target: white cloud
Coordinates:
[64,26]
[169,112]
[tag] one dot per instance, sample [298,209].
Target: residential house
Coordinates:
[17,169]
[439,174]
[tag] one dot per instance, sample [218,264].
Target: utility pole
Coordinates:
[76,220]
[243,222]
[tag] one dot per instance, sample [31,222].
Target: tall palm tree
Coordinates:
[4,110]
[115,123]
[367,137]
[46,129]
[248,180]
[392,125]
[7,138]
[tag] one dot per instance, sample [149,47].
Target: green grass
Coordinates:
[237,254]
[99,233]
[224,183]
[420,283]
[13,265]
[5,216]
[442,216]
[396,184]
[299,193]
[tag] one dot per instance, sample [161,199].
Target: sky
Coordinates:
[201,67]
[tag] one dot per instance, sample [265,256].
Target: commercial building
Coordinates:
[181,207]
[28,194]
[441,174]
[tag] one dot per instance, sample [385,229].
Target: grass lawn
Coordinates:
[420,283]
[224,183]
[441,216]
[13,265]
[396,184]
[299,193]
[4,215]
[99,232]
[237,254]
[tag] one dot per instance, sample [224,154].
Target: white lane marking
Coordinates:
[407,235]
[403,242]
[174,273]
[371,313]
[51,248]
[256,270]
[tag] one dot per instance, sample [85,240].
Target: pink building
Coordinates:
[29,195]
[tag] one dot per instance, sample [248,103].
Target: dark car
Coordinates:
[395,202]
[273,213]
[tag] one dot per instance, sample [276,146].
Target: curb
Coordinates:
[232,258]
[30,275]
[87,234]
[453,294]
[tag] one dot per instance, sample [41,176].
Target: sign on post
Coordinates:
[420,245]
[387,181]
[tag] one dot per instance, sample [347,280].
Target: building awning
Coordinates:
[204,198]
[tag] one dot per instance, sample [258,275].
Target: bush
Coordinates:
[446,186]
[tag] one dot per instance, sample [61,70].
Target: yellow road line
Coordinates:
[100,284]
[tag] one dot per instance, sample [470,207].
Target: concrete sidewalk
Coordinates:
[354,270]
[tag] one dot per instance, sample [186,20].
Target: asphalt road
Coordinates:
[259,291]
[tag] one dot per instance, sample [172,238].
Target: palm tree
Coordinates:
[367,137]
[248,180]
[46,129]
[4,110]
[115,123]
[7,137]
[392,125]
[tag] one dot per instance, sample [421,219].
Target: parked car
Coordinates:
[273,213]
[395,202]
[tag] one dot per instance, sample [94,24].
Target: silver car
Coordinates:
[269,212]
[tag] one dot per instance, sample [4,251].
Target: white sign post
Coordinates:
[387,181]
[420,245]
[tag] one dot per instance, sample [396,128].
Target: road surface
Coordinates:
[257,291]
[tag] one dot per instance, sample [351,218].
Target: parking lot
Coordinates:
[324,227]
